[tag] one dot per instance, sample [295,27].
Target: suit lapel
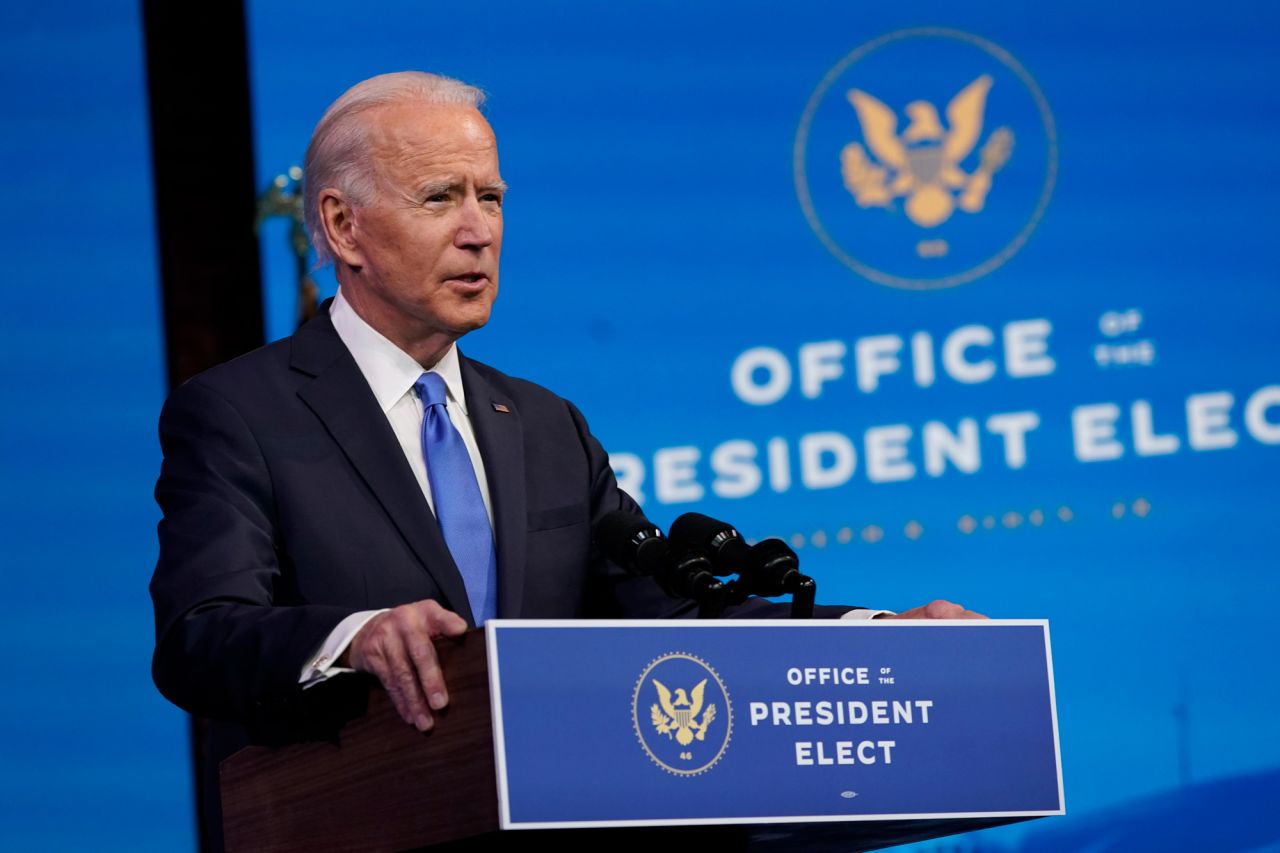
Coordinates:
[343,401]
[500,437]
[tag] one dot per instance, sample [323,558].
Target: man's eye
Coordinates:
[438,197]
[495,198]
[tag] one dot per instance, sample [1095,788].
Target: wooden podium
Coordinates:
[383,786]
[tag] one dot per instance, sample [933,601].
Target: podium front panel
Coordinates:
[602,723]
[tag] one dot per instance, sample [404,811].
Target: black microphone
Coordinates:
[773,568]
[634,543]
[768,568]
[718,539]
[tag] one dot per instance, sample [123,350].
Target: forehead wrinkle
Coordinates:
[407,160]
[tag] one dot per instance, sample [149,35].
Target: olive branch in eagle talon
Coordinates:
[680,714]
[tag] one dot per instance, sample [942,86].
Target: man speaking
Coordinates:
[336,500]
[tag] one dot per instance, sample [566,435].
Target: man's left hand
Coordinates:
[935,610]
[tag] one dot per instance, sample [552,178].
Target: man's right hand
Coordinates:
[396,646]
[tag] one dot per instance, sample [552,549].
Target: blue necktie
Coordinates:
[458,504]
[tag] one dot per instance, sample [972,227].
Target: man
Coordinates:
[336,500]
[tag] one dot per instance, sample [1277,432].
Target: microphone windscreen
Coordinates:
[694,528]
[717,539]
[621,534]
[772,552]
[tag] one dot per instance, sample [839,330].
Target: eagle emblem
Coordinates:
[922,163]
[679,715]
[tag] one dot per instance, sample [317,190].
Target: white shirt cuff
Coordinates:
[866,614]
[321,665]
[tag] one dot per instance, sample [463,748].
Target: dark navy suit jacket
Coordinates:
[288,505]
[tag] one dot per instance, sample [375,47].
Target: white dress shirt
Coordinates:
[391,374]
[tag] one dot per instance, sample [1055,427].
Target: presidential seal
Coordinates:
[925,158]
[682,715]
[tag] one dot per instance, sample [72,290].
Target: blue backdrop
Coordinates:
[92,757]
[694,190]
[1085,431]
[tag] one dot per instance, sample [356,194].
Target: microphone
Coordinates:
[725,546]
[634,543]
[768,568]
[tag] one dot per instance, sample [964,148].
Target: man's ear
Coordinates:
[337,216]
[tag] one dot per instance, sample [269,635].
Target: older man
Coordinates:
[335,500]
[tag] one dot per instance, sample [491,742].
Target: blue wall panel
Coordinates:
[93,757]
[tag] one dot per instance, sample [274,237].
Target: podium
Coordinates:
[380,785]
[371,789]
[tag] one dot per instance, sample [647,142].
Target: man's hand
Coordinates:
[396,647]
[935,610]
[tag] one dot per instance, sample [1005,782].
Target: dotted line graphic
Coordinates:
[968,524]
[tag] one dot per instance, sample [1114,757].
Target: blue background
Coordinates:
[653,234]
[92,757]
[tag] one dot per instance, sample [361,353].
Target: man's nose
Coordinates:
[475,230]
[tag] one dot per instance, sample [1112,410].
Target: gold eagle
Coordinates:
[923,163]
[680,714]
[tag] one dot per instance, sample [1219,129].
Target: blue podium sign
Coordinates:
[618,723]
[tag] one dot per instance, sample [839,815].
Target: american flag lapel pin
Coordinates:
[499,407]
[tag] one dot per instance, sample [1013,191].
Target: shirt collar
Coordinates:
[389,370]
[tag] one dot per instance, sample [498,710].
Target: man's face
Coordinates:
[428,242]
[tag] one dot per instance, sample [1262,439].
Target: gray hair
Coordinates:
[338,155]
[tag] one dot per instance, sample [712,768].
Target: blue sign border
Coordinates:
[495,627]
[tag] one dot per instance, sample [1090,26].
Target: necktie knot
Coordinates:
[431,389]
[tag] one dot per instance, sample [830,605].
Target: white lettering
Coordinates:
[1094,430]
[960,448]
[1207,427]
[922,358]
[779,465]
[1255,415]
[737,474]
[820,363]
[742,376]
[1026,348]
[886,449]
[953,354]
[1145,440]
[674,475]
[876,356]
[810,753]
[814,447]
[629,469]
[1013,427]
